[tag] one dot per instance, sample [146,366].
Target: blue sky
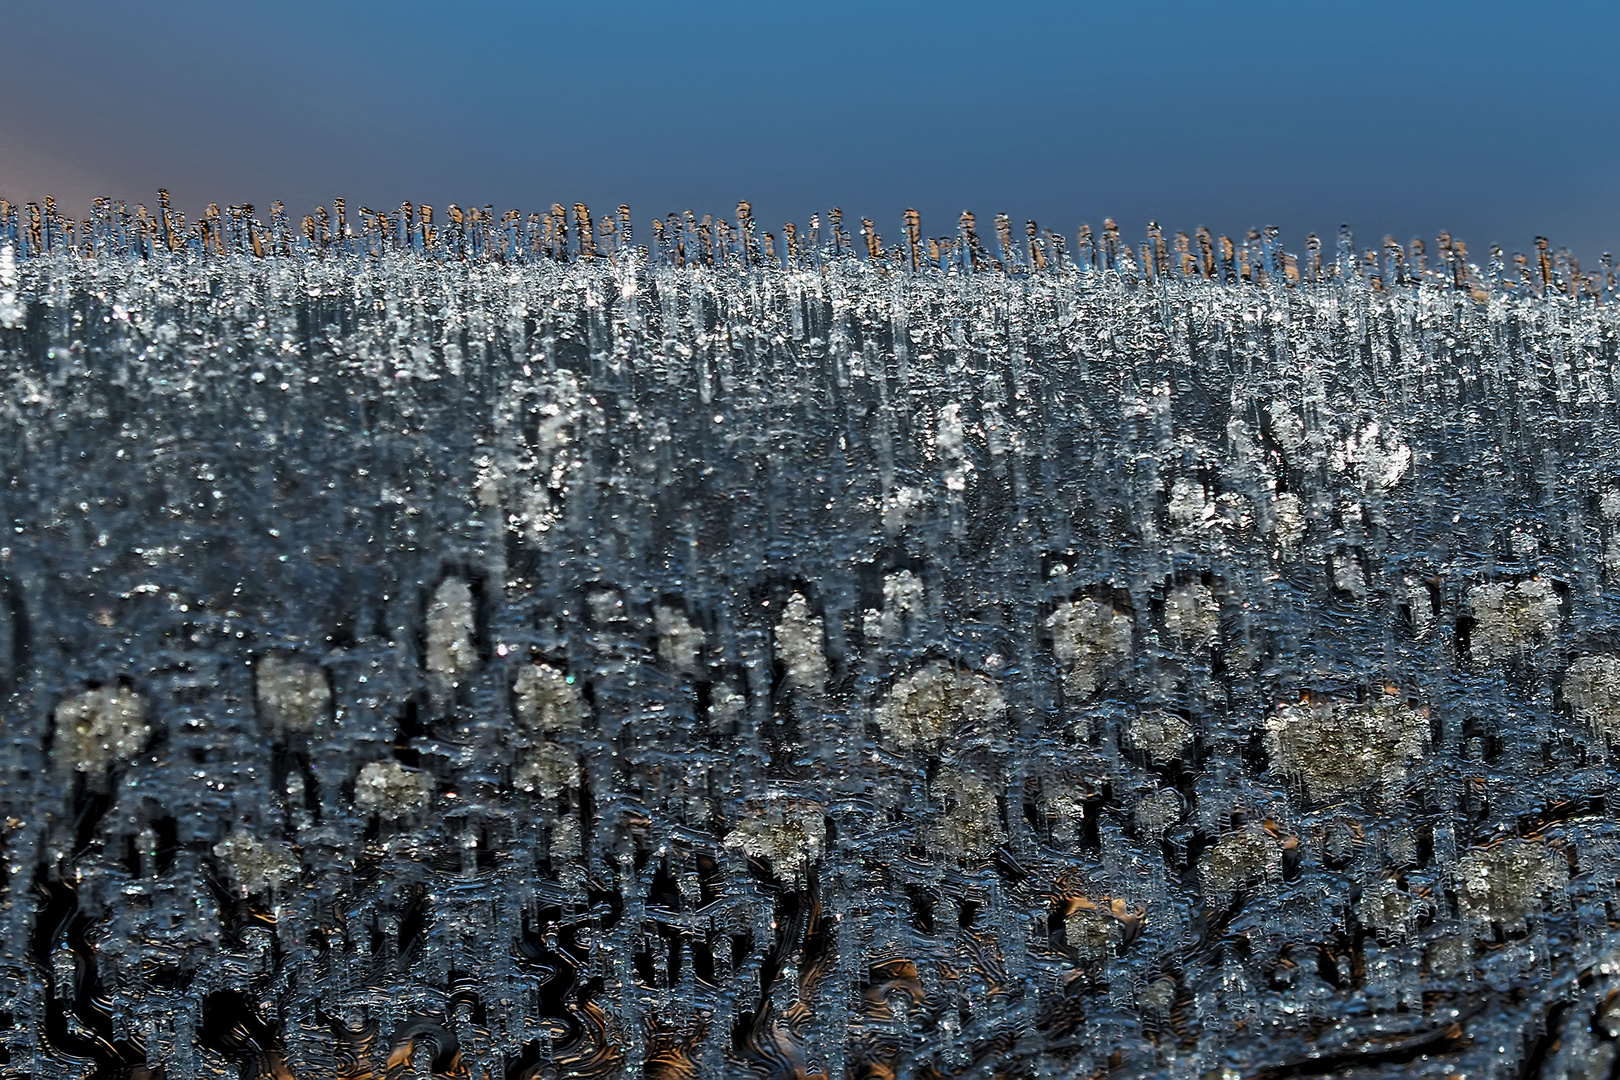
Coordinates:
[1496,121]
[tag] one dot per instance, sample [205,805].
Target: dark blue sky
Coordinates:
[1497,121]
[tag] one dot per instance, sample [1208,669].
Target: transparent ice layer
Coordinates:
[785,664]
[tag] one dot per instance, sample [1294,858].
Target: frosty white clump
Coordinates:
[390,790]
[902,607]
[787,833]
[1336,748]
[1157,813]
[548,700]
[1162,736]
[545,770]
[99,728]
[1089,641]
[1191,615]
[1508,881]
[1592,692]
[293,695]
[928,705]
[1238,858]
[1512,620]
[680,644]
[1386,909]
[971,823]
[1190,506]
[801,645]
[451,623]
[256,865]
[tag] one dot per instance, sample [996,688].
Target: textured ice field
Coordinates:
[610,667]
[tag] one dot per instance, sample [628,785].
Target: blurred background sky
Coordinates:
[1498,121]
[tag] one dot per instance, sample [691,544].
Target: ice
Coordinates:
[470,642]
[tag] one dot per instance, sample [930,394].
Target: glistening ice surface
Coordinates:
[495,661]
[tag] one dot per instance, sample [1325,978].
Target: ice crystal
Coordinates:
[390,789]
[1338,748]
[1507,882]
[547,700]
[293,695]
[929,705]
[1592,692]
[1090,641]
[97,728]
